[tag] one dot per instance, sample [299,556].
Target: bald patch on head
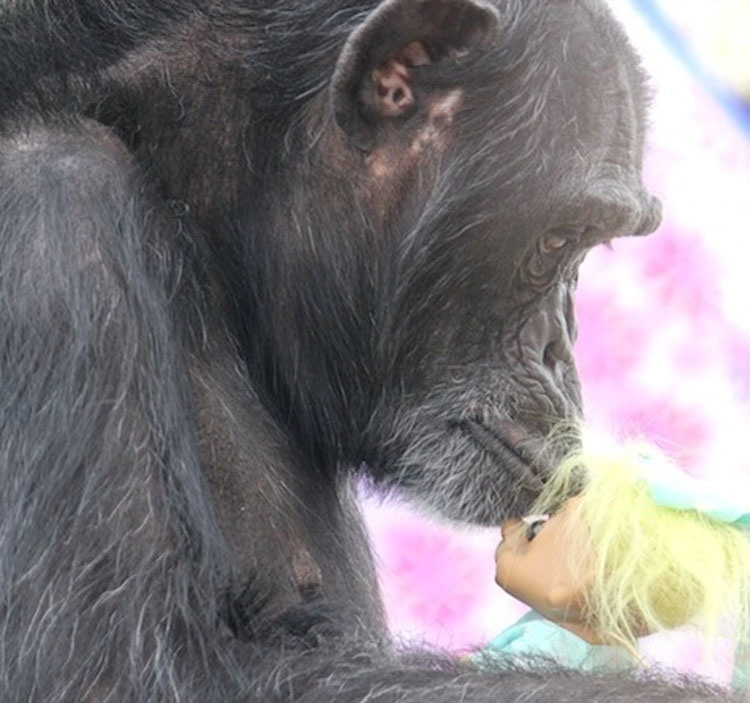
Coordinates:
[440,116]
[432,136]
[379,165]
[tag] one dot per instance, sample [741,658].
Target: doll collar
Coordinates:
[673,488]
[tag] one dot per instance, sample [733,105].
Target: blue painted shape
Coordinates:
[728,100]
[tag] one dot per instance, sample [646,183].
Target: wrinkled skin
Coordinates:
[250,250]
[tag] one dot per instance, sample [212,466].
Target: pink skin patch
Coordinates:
[393,80]
[439,118]
[395,158]
[393,87]
[393,83]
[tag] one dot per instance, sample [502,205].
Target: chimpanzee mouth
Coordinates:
[508,453]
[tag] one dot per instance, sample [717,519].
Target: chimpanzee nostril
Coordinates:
[550,357]
[557,356]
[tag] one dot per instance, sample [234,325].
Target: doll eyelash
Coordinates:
[534,524]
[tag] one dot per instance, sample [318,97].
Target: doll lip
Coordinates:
[503,444]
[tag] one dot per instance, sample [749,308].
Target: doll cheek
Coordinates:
[501,577]
[506,551]
[500,564]
[505,563]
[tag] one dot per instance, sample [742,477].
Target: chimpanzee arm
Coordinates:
[343,673]
[109,560]
[50,48]
[421,684]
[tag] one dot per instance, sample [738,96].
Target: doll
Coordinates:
[623,544]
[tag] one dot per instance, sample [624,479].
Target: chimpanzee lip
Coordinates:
[508,453]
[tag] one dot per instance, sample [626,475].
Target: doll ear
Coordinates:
[379,74]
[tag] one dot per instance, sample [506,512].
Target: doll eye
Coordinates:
[534,525]
[534,529]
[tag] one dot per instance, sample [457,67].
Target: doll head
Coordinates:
[532,564]
[618,563]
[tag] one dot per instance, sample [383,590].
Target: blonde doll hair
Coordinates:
[648,567]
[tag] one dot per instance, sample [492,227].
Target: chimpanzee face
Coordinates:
[468,155]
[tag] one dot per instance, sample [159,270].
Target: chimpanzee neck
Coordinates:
[318,377]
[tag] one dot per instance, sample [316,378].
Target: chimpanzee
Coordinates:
[249,251]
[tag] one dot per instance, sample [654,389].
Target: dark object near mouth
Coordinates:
[507,453]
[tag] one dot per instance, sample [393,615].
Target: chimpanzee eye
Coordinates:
[552,242]
[534,525]
[559,237]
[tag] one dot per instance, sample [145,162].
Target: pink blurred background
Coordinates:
[664,345]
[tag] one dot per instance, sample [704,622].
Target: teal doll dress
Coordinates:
[536,640]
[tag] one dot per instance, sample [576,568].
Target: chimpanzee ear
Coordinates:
[377,75]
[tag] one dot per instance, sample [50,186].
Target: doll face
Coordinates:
[531,565]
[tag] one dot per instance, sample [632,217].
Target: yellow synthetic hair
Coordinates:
[650,567]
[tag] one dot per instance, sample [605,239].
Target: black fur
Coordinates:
[233,276]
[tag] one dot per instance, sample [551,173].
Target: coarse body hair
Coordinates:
[238,268]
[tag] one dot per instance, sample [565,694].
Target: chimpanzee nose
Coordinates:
[547,341]
[558,329]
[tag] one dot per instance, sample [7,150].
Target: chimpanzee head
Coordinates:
[422,231]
